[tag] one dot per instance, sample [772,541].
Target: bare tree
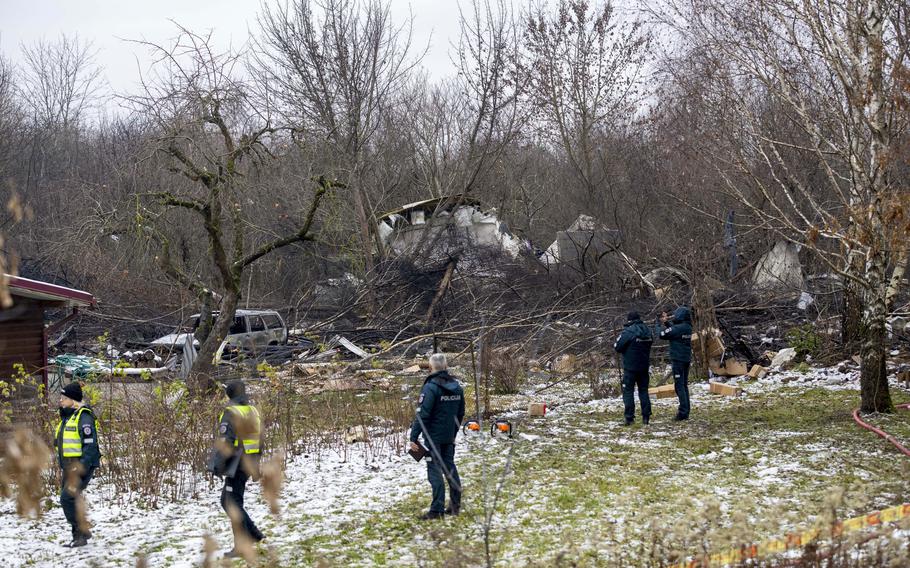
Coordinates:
[584,64]
[461,126]
[336,69]
[9,119]
[8,106]
[814,82]
[214,144]
[59,81]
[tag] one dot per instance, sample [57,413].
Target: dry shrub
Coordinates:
[209,549]
[272,481]
[603,384]
[156,438]
[508,370]
[26,458]
[155,443]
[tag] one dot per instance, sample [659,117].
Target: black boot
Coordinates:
[78,541]
[430,515]
[453,510]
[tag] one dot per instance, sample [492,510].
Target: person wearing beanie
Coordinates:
[678,331]
[76,442]
[634,343]
[235,457]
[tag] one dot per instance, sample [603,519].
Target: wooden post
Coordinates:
[477,414]
[484,352]
[485,368]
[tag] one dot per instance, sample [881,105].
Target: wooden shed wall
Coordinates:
[21,336]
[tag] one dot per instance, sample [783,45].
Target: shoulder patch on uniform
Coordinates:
[420,400]
[87,430]
[223,428]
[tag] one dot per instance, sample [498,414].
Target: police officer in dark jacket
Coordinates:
[76,442]
[635,345]
[678,332]
[236,458]
[438,419]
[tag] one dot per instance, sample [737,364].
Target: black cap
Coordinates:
[633,316]
[235,389]
[72,391]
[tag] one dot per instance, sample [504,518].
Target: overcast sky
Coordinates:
[106,23]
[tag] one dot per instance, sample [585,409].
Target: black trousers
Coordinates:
[232,498]
[630,381]
[438,472]
[681,385]
[68,497]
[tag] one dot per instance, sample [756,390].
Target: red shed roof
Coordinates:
[38,290]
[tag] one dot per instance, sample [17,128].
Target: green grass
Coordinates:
[588,492]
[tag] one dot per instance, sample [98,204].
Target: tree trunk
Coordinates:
[366,241]
[851,316]
[704,322]
[443,286]
[204,329]
[874,393]
[202,378]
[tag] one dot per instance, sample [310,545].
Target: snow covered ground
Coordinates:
[581,486]
[321,493]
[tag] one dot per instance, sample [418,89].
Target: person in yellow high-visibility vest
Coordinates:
[76,442]
[236,458]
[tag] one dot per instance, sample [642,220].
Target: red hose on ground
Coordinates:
[882,433]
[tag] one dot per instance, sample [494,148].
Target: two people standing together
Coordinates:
[634,343]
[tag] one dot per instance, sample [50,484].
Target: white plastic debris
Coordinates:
[805,300]
[783,357]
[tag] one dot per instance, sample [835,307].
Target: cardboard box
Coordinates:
[537,409]
[726,390]
[714,347]
[663,391]
[758,372]
[729,368]
[735,368]
[565,363]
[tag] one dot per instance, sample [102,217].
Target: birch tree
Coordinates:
[824,72]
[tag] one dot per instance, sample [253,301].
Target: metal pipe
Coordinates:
[881,432]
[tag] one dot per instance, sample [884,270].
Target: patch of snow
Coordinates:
[321,493]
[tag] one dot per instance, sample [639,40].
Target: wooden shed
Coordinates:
[23,332]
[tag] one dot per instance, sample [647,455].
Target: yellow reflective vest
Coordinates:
[248,416]
[72,440]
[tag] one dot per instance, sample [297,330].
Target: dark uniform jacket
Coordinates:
[225,459]
[88,433]
[679,334]
[441,409]
[635,345]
